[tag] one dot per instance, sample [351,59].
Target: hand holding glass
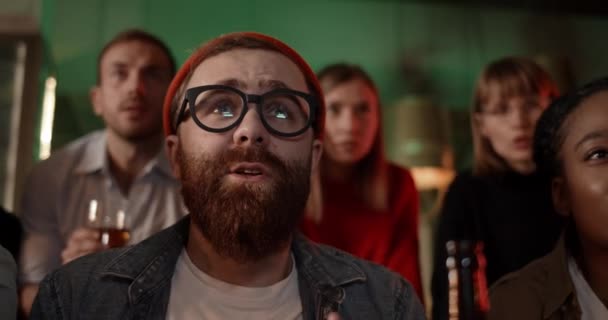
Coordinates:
[112,230]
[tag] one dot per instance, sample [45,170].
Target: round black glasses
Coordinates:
[219,108]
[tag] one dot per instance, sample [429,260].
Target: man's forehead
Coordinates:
[249,68]
[135,52]
[268,84]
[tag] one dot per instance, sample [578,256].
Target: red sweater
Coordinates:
[388,237]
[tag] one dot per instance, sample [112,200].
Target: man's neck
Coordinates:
[128,158]
[594,266]
[261,273]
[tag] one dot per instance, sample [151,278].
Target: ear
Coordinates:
[96,100]
[559,193]
[172,144]
[317,151]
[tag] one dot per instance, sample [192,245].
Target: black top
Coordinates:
[10,233]
[512,214]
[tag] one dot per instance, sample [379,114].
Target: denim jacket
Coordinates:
[135,283]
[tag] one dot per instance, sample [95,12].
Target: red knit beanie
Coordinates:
[231,41]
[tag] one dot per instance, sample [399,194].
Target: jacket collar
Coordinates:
[151,263]
[558,289]
[324,266]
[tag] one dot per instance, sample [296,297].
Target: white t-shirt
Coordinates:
[196,295]
[591,306]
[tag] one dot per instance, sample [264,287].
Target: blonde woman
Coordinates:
[503,201]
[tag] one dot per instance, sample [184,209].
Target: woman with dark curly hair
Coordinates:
[571,149]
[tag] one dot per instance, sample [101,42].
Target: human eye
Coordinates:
[224,108]
[597,154]
[497,109]
[362,109]
[118,73]
[155,74]
[532,105]
[218,104]
[285,106]
[277,110]
[333,109]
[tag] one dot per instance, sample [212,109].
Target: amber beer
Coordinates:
[113,238]
[112,230]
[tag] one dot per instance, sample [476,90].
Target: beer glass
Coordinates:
[111,226]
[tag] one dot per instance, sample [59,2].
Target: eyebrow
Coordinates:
[264,84]
[118,65]
[232,82]
[272,84]
[147,67]
[591,136]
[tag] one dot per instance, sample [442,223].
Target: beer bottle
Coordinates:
[467,288]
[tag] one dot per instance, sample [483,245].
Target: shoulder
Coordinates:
[466,185]
[76,278]
[86,273]
[77,283]
[400,179]
[465,179]
[534,276]
[384,282]
[371,272]
[77,146]
[522,290]
[81,268]
[65,157]
[463,186]
[368,286]
[397,172]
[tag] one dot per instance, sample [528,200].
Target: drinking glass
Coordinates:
[111,226]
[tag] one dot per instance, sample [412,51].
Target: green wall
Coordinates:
[442,47]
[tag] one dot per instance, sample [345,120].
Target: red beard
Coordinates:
[244,222]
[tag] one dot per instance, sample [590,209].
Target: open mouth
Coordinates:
[523,141]
[248,172]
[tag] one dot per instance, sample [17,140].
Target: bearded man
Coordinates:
[243,122]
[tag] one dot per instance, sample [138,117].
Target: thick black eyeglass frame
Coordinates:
[192,93]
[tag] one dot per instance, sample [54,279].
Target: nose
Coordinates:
[251,131]
[521,118]
[137,84]
[347,121]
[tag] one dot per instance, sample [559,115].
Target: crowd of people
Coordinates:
[243,185]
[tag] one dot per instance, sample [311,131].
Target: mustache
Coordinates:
[244,222]
[250,154]
[130,101]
